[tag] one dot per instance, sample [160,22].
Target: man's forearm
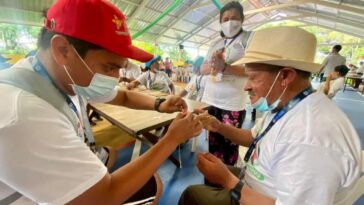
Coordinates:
[117,187]
[247,195]
[239,136]
[134,100]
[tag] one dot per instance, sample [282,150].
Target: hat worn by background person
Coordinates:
[150,62]
[106,27]
[266,47]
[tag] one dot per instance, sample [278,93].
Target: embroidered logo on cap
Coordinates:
[119,22]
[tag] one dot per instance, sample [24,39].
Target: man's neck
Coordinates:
[59,76]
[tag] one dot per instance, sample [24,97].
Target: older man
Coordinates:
[43,157]
[304,150]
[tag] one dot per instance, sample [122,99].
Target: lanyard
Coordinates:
[298,98]
[39,68]
[154,78]
[150,79]
[198,83]
[227,45]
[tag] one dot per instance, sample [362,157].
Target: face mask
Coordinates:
[101,86]
[262,104]
[231,28]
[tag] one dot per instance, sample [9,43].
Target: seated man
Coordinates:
[48,153]
[334,82]
[130,71]
[304,151]
[153,79]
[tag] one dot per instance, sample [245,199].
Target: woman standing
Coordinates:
[224,85]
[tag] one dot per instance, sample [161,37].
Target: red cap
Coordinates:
[95,21]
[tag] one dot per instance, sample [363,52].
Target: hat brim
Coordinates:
[300,65]
[134,53]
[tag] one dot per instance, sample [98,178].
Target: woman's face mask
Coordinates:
[231,28]
[101,86]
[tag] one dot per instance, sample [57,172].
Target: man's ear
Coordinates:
[288,75]
[60,49]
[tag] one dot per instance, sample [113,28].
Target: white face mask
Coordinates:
[262,104]
[101,86]
[231,28]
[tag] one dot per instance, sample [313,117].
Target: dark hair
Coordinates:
[341,69]
[233,5]
[337,48]
[45,36]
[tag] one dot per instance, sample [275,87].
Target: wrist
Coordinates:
[158,104]
[231,182]
[170,139]
[219,126]
[235,192]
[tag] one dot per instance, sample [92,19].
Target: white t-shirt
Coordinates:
[41,155]
[132,71]
[227,94]
[360,69]
[335,86]
[195,88]
[155,81]
[312,155]
[331,61]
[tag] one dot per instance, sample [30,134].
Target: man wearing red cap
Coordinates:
[42,130]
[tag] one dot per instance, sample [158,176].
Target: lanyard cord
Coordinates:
[292,103]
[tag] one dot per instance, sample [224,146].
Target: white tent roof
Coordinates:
[195,23]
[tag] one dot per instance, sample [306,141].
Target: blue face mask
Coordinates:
[100,88]
[262,104]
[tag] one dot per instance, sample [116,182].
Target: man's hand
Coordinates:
[173,104]
[330,76]
[209,122]
[130,86]
[215,171]
[184,127]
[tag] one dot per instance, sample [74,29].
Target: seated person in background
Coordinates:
[153,79]
[195,88]
[129,72]
[359,72]
[335,81]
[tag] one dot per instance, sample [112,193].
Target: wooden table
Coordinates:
[141,122]
[353,77]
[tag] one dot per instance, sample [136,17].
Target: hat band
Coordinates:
[252,54]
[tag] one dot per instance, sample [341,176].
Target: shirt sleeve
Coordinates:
[335,87]
[42,157]
[142,79]
[305,174]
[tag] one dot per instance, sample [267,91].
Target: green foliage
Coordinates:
[149,47]
[176,54]
[17,39]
